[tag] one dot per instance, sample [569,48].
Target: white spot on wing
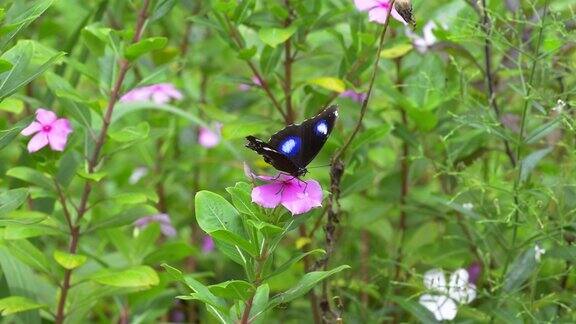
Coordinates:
[336,113]
[321,128]
[288,146]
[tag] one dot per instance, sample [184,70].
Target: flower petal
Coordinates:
[34,127]
[207,244]
[58,135]
[208,138]
[442,307]
[398,17]
[37,142]
[168,230]
[434,279]
[460,289]
[45,117]
[269,195]
[364,5]
[379,15]
[300,197]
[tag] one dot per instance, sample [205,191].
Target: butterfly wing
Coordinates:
[278,160]
[301,143]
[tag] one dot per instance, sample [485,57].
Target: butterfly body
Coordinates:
[291,149]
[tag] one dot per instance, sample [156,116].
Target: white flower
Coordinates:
[422,44]
[444,299]
[538,252]
[138,174]
[560,105]
[468,206]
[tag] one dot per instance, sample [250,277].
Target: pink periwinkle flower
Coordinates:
[428,39]
[378,10]
[296,195]
[207,244]
[160,93]
[49,130]
[209,137]
[353,95]
[163,219]
[256,82]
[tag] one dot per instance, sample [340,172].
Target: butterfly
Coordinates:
[291,149]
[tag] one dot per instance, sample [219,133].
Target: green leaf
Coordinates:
[214,213]
[288,264]
[415,309]
[144,46]
[169,252]
[260,302]
[5,65]
[242,200]
[203,293]
[21,281]
[16,304]
[242,12]
[233,289]
[31,176]
[521,269]
[123,109]
[20,16]
[123,218]
[11,200]
[309,281]
[131,133]
[236,240]
[275,36]
[332,84]
[30,255]
[74,103]
[29,59]
[396,51]
[8,135]
[95,177]
[530,162]
[135,277]
[69,261]
[96,38]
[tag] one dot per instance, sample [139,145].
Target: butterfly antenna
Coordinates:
[319,166]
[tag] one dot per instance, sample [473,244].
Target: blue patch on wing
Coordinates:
[290,146]
[321,128]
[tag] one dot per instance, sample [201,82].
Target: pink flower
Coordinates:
[163,219]
[378,10]
[296,195]
[160,93]
[355,96]
[208,137]
[207,244]
[423,44]
[256,82]
[49,129]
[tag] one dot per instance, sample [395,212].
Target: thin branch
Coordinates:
[490,82]
[264,84]
[336,173]
[93,162]
[520,139]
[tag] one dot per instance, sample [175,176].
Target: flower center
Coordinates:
[46,128]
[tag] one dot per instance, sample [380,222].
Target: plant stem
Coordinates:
[490,82]
[520,139]
[93,162]
[264,84]
[262,258]
[337,171]
[288,60]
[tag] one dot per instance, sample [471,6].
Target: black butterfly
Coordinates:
[294,147]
